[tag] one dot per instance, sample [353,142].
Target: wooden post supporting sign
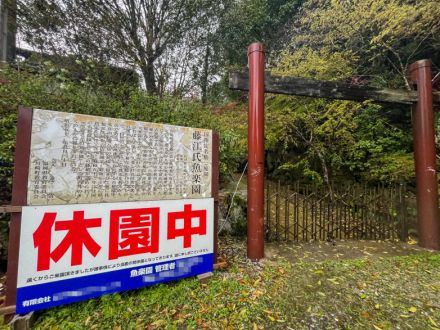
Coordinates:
[19,198]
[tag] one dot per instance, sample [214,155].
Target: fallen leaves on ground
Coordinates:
[369,293]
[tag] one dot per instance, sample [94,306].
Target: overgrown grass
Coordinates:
[384,293]
[227,300]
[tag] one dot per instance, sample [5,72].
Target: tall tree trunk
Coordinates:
[149,77]
[204,79]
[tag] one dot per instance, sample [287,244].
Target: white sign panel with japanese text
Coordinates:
[75,252]
[78,158]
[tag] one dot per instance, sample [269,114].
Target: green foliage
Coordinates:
[227,300]
[52,89]
[350,141]
[394,167]
[364,42]
[248,21]
[299,171]
[314,134]
[231,121]
[382,151]
[321,64]
[231,151]
[242,23]
[384,35]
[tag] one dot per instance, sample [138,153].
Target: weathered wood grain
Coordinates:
[326,89]
[10,209]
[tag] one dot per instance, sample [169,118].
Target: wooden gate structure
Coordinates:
[307,212]
[422,98]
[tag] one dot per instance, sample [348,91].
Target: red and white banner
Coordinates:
[59,243]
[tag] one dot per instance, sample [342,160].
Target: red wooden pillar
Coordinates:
[215,187]
[255,178]
[424,156]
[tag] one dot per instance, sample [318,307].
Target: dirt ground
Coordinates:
[340,250]
[382,285]
[235,248]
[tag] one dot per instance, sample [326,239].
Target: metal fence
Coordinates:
[308,212]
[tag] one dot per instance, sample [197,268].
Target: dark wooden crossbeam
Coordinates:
[326,89]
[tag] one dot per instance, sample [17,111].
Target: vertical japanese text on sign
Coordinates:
[87,159]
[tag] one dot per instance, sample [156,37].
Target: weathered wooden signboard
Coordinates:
[109,205]
[85,159]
